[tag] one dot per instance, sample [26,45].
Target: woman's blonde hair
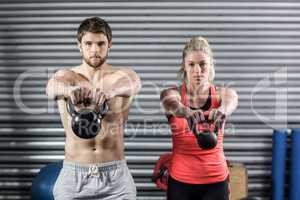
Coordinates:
[195,44]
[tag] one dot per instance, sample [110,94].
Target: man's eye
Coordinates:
[192,64]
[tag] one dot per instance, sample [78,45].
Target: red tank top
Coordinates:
[190,163]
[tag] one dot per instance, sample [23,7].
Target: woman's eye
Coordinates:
[203,66]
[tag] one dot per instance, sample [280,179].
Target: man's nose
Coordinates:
[94,48]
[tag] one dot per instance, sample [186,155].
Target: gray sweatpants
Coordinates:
[105,181]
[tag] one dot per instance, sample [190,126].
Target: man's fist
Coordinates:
[84,97]
[79,95]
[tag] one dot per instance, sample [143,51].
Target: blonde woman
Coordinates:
[198,168]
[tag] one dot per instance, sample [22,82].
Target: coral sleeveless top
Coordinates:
[190,163]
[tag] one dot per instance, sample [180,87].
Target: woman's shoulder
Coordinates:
[173,90]
[223,91]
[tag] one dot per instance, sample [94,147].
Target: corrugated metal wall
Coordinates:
[256,46]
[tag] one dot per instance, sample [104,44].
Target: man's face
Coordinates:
[94,48]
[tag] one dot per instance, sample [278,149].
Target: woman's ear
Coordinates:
[182,66]
[182,70]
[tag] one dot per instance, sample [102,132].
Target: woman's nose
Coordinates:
[197,69]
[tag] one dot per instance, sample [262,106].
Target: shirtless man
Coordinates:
[95,168]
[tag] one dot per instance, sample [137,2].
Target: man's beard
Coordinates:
[98,64]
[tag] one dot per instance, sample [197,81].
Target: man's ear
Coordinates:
[79,46]
[109,44]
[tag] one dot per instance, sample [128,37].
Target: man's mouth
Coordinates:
[95,57]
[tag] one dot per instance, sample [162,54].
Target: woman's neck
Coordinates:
[197,89]
[197,94]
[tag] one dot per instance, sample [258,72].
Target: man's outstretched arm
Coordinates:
[122,83]
[60,84]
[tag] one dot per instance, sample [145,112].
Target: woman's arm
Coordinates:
[171,101]
[229,101]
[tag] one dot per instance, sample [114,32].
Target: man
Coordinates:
[95,168]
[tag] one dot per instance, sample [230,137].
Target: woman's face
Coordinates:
[197,66]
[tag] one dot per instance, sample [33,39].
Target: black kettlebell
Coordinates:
[86,123]
[206,138]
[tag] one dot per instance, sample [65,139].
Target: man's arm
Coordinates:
[60,84]
[171,102]
[122,83]
[68,84]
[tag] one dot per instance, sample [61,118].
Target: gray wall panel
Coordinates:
[256,47]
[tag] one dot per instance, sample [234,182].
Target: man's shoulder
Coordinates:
[71,73]
[127,71]
[64,73]
[121,69]
[75,69]
[67,70]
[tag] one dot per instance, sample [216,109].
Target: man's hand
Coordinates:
[79,95]
[98,98]
[84,97]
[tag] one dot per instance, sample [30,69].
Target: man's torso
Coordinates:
[108,145]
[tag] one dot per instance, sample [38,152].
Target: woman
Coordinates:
[197,173]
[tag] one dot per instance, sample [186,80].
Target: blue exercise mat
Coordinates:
[42,185]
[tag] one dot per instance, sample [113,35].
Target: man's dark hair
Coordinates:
[94,25]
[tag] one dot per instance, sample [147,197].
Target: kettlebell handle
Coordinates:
[72,111]
[71,108]
[104,109]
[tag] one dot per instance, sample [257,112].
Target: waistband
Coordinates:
[107,166]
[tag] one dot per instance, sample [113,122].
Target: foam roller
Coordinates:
[278,163]
[294,193]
